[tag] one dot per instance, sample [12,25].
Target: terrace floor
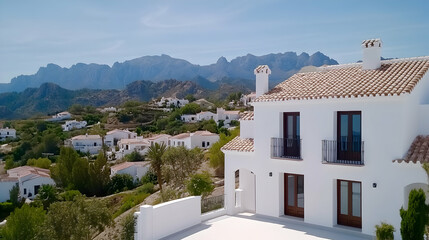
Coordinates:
[249,226]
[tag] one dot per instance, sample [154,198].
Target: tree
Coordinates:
[128,227]
[200,185]
[62,172]
[190,108]
[120,182]
[40,162]
[154,154]
[216,156]
[76,219]
[190,98]
[47,195]
[415,217]
[134,157]
[99,175]
[24,223]
[180,163]
[14,197]
[80,175]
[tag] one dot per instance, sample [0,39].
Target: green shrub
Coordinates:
[120,182]
[5,209]
[384,231]
[148,188]
[70,195]
[415,218]
[200,185]
[128,227]
[149,177]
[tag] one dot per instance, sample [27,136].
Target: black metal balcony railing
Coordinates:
[286,148]
[212,203]
[343,152]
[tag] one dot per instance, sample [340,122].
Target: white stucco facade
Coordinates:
[112,137]
[73,124]
[7,133]
[87,143]
[135,169]
[389,124]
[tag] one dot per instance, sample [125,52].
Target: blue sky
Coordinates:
[35,33]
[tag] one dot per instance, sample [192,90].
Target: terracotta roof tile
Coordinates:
[127,165]
[418,152]
[371,42]
[245,116]
[239,144]
[394,77]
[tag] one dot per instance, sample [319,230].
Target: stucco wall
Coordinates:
[389,125]
[29,185]
[5,187]
[155,222]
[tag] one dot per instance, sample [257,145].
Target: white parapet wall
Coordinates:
[155,222]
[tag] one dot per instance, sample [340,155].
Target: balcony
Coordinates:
[343,152]
[287,148]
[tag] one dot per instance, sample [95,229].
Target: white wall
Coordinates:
[5,187]
[246,129]
[197,140]
[389,125]
[155,222]
[29,184]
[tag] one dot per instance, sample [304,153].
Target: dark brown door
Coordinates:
[349,135]
[349,203]
[294,195]
[291,134]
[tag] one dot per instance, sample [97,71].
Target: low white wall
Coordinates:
[155,222]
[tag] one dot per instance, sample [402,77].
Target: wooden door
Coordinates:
[294,195]
[349,203]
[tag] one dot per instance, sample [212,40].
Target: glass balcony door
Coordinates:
[349,135]
[294,195]
[349,203]
[291,134]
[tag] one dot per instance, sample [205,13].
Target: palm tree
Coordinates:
[154,154]
[47,194]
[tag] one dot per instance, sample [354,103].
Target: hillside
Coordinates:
[50,98]
[159,68]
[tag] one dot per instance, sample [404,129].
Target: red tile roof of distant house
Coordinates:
[418,151]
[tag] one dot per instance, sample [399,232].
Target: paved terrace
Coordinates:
[249,226]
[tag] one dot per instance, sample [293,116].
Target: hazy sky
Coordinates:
[35,33]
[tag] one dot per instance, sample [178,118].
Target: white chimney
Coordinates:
[262,72]
[371,54]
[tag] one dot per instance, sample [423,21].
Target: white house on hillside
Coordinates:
[73,124]
[160,139]
[172,101]
[112,137]
[206,116]
[342,145]
[220,115]
[201,139]
[247,99]
[60,116]
[127,146]
[136,169]
[87,143]
[29,180]
[189,118]
[7,133]
[227,116]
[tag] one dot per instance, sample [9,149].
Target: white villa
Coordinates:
[112,137]
[60,116]
[220,115]
[172,101]
[247,99]
[136,169]
[127,146]
[201,139]
[29,179]
[87,143]
[7,133]
[160,139]
[73,124]
[340,146]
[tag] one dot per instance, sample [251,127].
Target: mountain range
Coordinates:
[159,68]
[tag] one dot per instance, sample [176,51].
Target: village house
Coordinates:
[60,116]
[87,143]
[112,137]
[167,102]
[73,124]
[135,169]
[220,115]
[7,133]
[28,179]
[160,139]
[127,146]
[247,99]
[340,146]
[201,139]
[189,118]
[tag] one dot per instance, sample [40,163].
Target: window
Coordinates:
[25,191]
[349,203]
[349,135]
[208,144]
[36,189]
[203,144]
